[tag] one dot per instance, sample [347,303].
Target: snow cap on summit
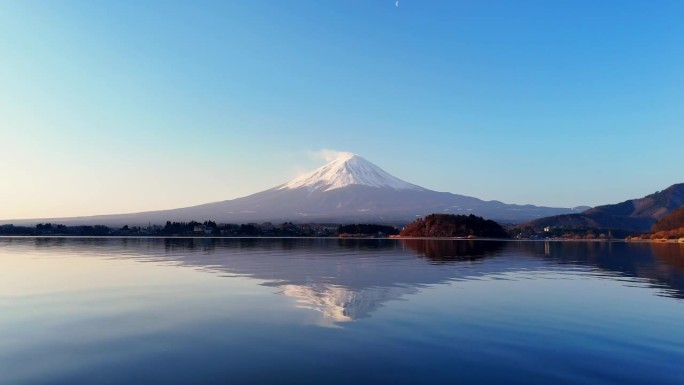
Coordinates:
[348,169]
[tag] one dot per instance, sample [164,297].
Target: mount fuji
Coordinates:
[347,189]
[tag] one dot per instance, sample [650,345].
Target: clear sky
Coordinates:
[123,106]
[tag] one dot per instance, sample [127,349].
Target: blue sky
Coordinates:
[124,106]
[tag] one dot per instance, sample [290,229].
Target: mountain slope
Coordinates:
[633,215]
[672,221]
[347,189]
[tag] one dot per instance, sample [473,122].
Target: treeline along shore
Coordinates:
[434,225]
[207,228]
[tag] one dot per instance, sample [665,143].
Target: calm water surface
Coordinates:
[296,311]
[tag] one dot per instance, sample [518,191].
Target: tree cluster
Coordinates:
[662,235]
[449,225]
[172,229]
[54,229]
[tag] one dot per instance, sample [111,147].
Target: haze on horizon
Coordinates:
[115,107]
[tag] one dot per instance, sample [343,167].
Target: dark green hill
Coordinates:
[632,215]
[448,225]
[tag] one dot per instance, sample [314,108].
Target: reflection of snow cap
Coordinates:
[340,304]
[397,3]
[329,300]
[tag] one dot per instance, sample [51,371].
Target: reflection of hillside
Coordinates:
[671,254]
[453,250]
[660,264]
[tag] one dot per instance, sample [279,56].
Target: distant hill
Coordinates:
[632,215]
[449,225]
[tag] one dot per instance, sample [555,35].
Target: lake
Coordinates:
[338,311]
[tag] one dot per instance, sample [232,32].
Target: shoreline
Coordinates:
[660,240]
[331,238]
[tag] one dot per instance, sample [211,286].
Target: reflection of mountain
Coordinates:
[349,279]
[343,279]
[381,270]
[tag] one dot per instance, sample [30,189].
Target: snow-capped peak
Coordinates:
[348,169]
